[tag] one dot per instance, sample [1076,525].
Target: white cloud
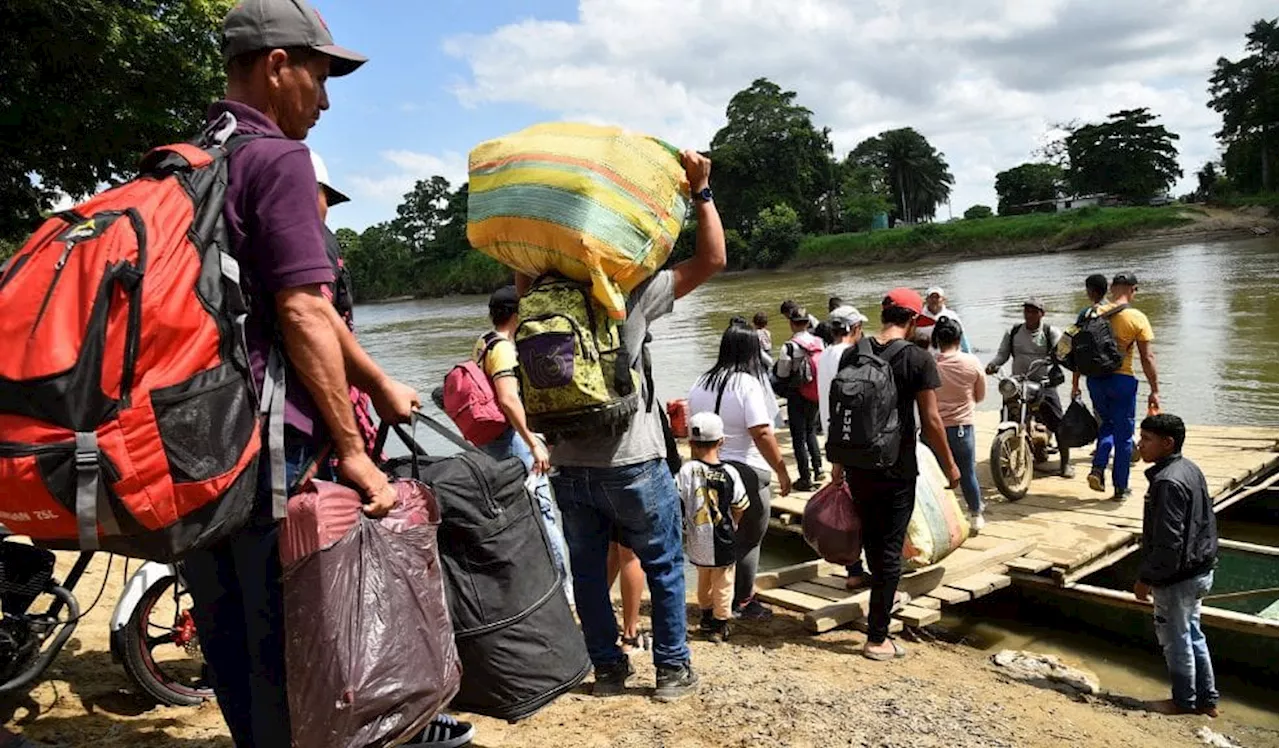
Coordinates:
[407,167]
[981,79]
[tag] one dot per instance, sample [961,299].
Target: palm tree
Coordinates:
[915,171]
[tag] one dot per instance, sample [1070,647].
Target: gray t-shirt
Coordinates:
[643,440]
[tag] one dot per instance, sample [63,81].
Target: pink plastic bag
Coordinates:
[832,526]
[369,650]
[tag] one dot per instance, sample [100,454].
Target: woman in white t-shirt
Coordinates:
[736,389]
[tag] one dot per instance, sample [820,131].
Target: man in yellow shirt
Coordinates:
[1115,396]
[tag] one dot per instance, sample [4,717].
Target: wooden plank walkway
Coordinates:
[1060,532]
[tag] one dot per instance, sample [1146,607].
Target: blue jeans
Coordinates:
[1177,614]
[511,444]
[964,448]
[1115,400]
[641,502]
[238,607]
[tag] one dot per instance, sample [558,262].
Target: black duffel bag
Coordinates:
[1078,426]
[519,643]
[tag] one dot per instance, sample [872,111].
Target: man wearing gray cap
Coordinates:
[279,55]
[1031,341]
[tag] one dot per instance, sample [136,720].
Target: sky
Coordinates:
[983,80]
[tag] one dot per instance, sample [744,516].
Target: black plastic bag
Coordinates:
[1078,426]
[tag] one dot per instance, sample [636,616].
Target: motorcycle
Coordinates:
[1021,441]
[152,633]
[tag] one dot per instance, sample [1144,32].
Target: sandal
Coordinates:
[898,653]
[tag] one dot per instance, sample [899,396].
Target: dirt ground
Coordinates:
[771,684]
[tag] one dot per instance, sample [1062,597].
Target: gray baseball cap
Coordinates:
[281,24]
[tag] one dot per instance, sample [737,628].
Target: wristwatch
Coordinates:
[703,195]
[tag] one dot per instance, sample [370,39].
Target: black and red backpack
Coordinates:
[129,420]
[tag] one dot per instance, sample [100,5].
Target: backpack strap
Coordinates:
[646,366]
[895,347]
[272,408]
[1113,311]
[1013,332]
[720,395]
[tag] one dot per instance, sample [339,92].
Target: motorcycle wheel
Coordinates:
[1011,465]
[160,650]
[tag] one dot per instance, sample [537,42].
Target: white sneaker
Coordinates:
[976,523]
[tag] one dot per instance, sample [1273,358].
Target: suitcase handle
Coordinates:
[410,438]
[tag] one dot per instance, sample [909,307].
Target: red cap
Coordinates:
[905,298]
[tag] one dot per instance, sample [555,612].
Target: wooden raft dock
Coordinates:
[1058,534]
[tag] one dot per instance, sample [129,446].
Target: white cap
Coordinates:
[706,427]
[322,178]
[847,316]
[935,290]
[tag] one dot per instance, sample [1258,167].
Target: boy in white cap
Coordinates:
[714,499]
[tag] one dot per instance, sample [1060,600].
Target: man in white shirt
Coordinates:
[935,308]
[846,326]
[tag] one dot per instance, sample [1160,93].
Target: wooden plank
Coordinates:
[924,601]
[982,543]
[818,590]
[1096,565]
[981,584]
[788,505]
[913,615]
[961,563]
[1217,617]
[895,625]
[949,596]
[1238,545]
[792,600]
[832,581]
[785,575]
[1029,565]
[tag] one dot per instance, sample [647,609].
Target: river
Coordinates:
[1213,307]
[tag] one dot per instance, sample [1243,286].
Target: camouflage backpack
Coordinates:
[573,362]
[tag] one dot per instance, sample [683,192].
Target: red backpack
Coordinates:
[470,402]
[129,421]
[808,372]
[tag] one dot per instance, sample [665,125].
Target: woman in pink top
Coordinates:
[964,385]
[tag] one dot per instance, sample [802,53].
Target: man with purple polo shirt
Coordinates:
[278,56]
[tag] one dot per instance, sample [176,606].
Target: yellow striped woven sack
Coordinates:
[599,205]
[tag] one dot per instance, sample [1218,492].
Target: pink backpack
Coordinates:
[809,371]
[470,402]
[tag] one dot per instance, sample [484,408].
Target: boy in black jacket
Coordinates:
[1179,552]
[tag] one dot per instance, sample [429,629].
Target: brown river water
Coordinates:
[1213,306]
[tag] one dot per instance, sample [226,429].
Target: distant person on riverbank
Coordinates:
[1179,553]
[963,387]
[887,495]
[935,308]
[735,389]
[796,368]
[714,501]
[622,480]
[847,326]
[1115,396]
[1035,340]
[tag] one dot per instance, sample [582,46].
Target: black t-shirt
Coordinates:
[914,371]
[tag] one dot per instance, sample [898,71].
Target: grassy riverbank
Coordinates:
[1042,232]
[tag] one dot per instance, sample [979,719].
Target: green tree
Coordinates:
[978,211]
[1244,92]
[1027,183]
[915,172]
[88,86]
[770,153]
[863,196]
[776,236]
[1208,182]
[1127,155]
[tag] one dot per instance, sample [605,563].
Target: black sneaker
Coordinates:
[675,682]
[719,631]
[753,610]
[443,732]
[611,680]
[802,485]
[707,623]
[1097,480]
[1122,495]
